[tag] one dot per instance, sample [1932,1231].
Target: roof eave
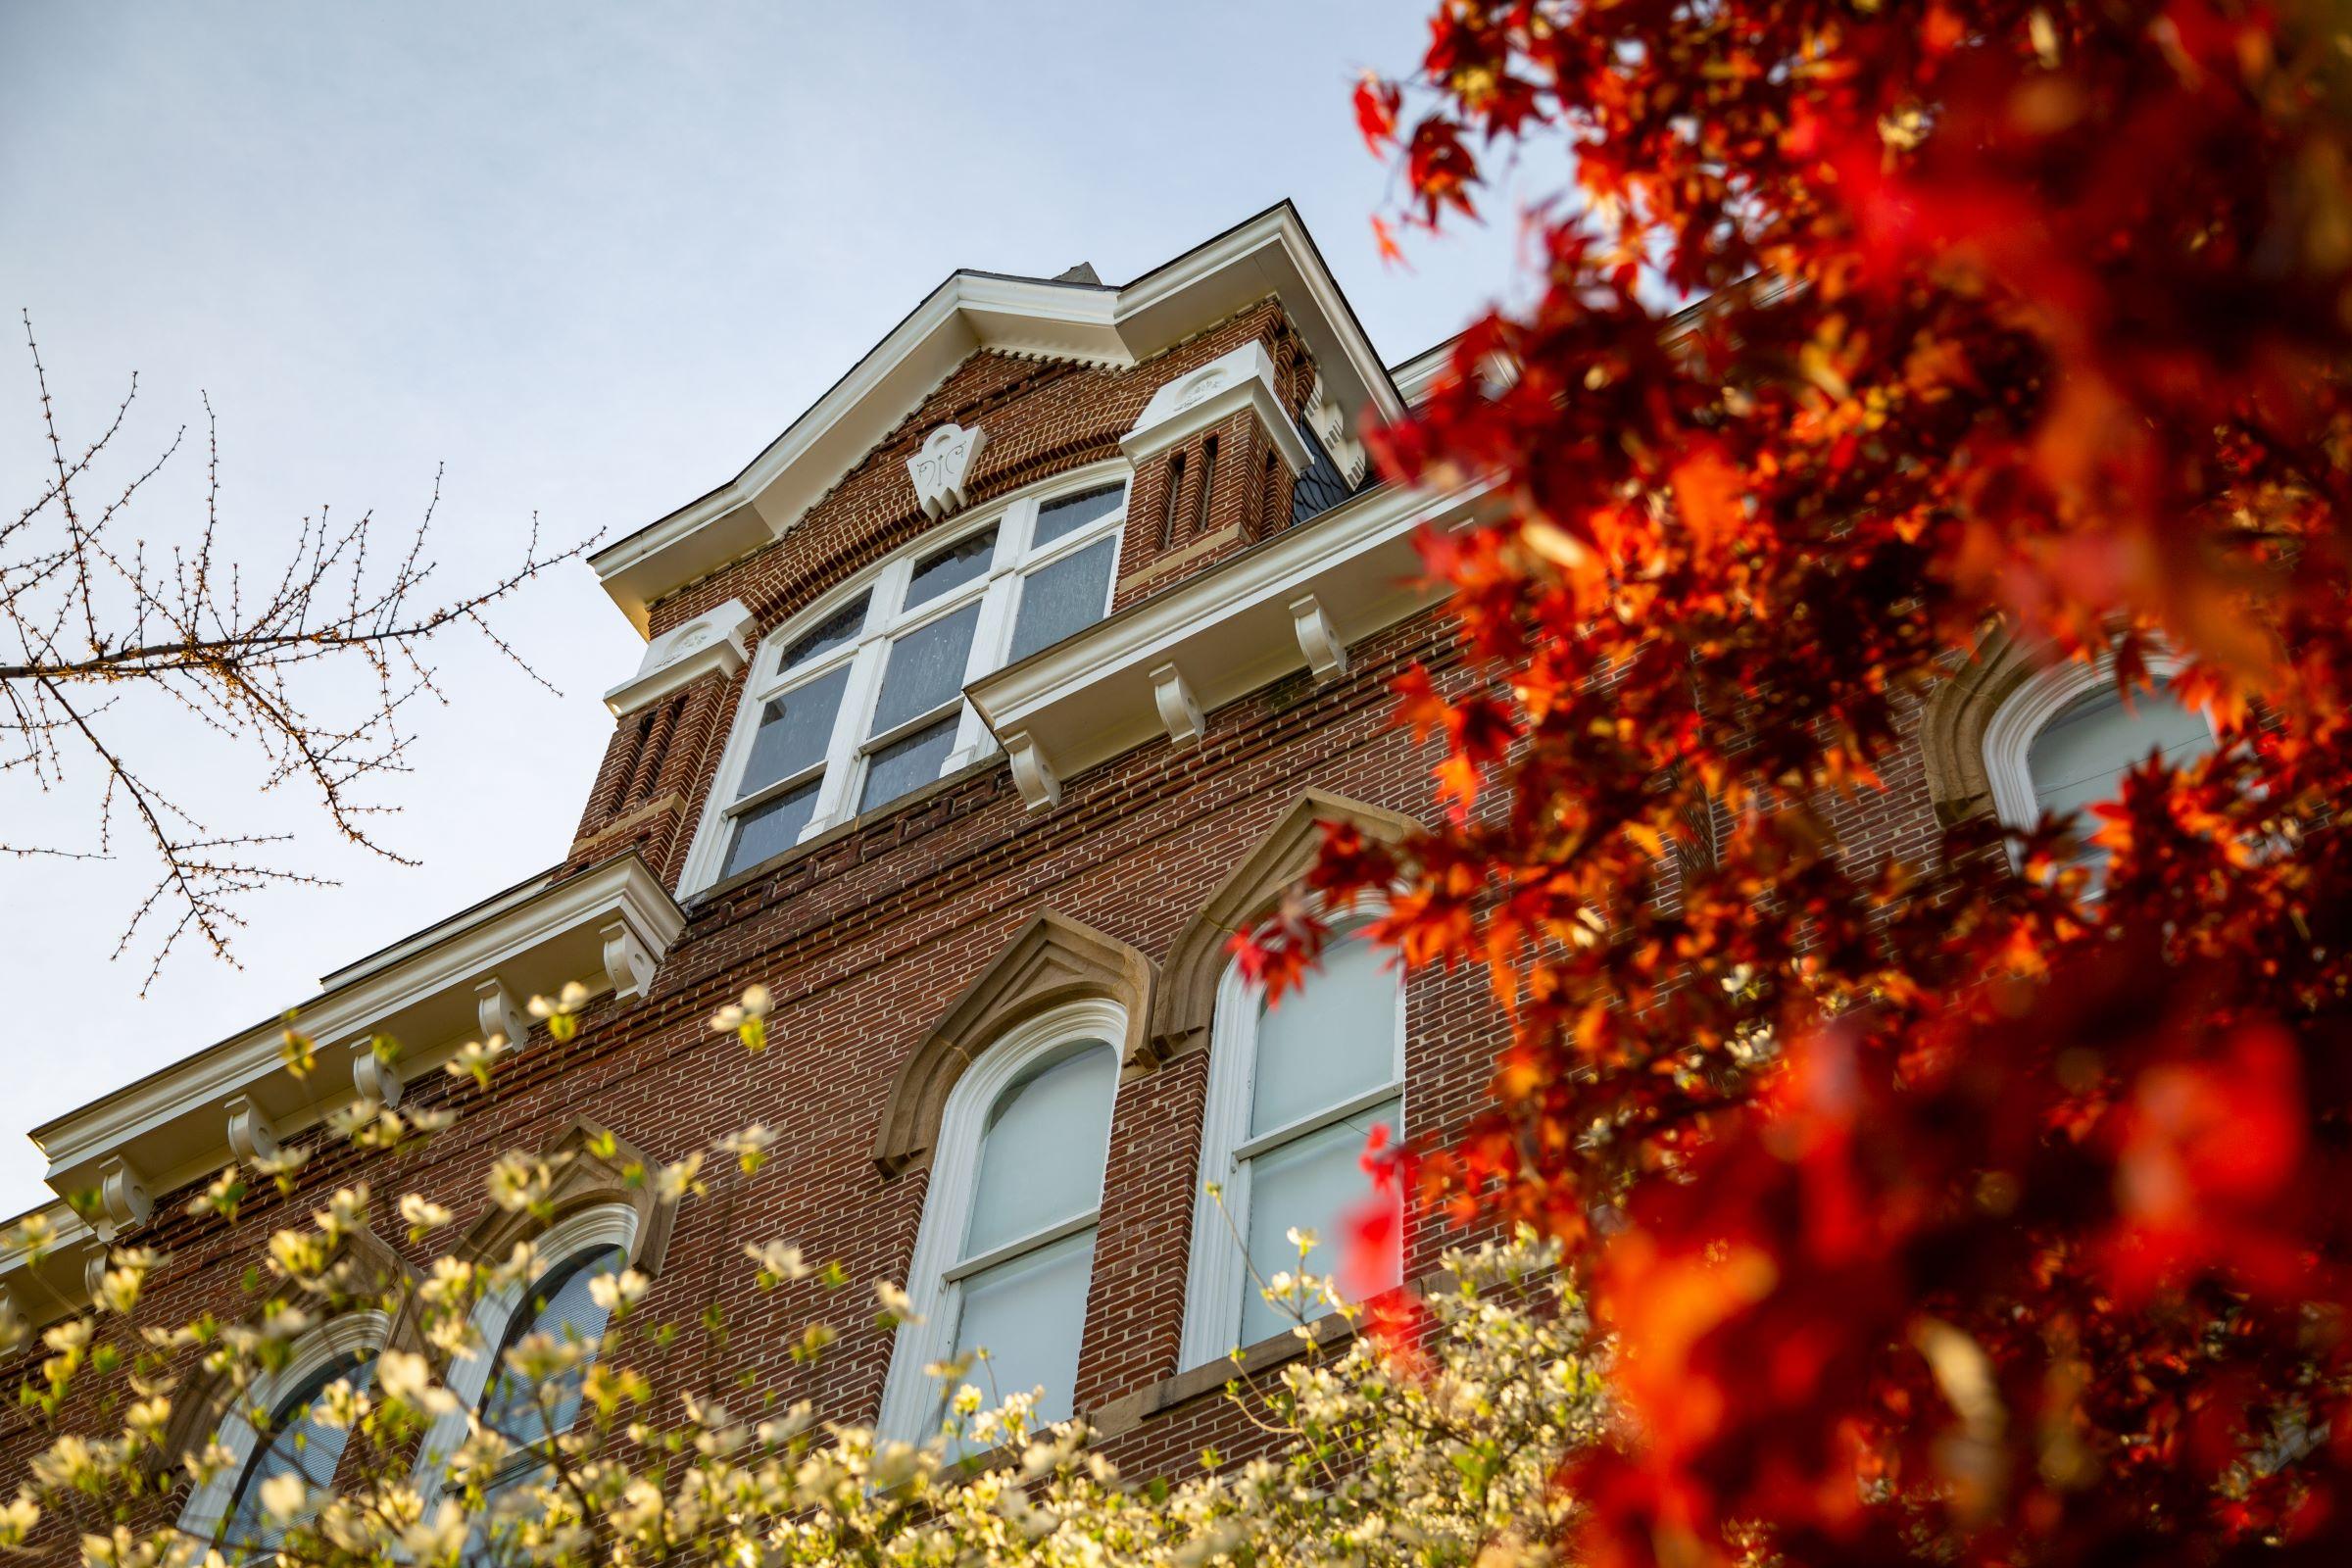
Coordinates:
[1270,253]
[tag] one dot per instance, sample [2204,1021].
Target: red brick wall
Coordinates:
[1043,419]
[867,935]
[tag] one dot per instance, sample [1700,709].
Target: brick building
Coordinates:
[975,714]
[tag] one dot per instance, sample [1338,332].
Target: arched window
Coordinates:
[562,1308]
[860,699]
[2061,741]
[1293,1091]
[292,1439]
[559,1303]
[298,1443]
[1005,1252]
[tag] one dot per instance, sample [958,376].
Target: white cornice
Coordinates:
[714,642]
[1293,603]
[604,927]
[1210,396]
[1270,254]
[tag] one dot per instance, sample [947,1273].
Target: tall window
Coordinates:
[860,700]
[2062,743]
[298,1442]
[1293,1091]
[1006,1250]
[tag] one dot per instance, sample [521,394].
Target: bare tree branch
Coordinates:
[87,617]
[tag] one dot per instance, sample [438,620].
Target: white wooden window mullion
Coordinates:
[997,592]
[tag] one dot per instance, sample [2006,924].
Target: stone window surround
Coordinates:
[1052,962]
[1185,999]
[1977,730]
[349,1334]
[1014,515]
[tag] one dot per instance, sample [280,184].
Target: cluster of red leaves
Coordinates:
[1937,1210]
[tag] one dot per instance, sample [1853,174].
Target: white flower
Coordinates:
[437,1538]
[750,1147]
[424,1216]
[897,1304]
[618,1293]
[677,1180]
[562,1014]
[747,1018]
[516,1182]
[407,1377]
[283,1495]
[778,1264]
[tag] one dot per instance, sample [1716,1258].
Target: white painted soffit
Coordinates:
[1091,324]
[607,928]
[1295,601]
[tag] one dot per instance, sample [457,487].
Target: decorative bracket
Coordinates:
[495,1010]
[1178,711]
[942,466]
[627,964]
[93,1271]
[122,1194]
[375,1079]
[1330,425]
[1326,655]
[1032,773]
[252,1135]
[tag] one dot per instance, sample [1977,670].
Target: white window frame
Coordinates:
[843,764]
[2024,713]
[937,1270]
[349,1334]
[1219,1267]
[468,1377]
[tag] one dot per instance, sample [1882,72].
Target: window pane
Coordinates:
[951,568]
[927,669]
[772,827]
[1316,1182]
[1041,1160]
[560,1307]
[295,1444]
[1066,597]
[1029,1314]
[795,729]
[908,764]
[2079,756]
[1072,512]
[1327,1042]
[841,626]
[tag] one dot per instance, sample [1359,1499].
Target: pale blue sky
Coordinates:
[592,257]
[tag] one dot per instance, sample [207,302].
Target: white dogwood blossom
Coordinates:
[1433,1444]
